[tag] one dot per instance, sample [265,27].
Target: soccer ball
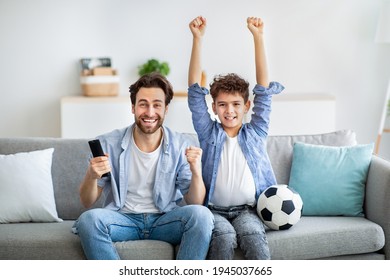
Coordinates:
[279,207]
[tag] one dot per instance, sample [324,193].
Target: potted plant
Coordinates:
[154,65]
[388,108]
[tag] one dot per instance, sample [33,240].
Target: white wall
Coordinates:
[313,46]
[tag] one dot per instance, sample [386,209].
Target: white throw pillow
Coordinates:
[26,188]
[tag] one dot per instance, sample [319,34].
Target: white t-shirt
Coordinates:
[234,184]
[142,175]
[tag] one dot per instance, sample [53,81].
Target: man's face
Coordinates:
[149,109]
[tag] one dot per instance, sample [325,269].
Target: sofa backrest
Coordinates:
[280,149]
[70,161]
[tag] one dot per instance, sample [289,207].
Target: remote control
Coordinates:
[97,151]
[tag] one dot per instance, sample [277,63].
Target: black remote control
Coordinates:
[97,151]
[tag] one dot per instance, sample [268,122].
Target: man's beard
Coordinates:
[149,129]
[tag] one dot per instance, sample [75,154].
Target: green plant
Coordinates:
[388,107]
[153,65]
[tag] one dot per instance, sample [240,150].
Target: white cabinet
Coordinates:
[292,114]
[87,117]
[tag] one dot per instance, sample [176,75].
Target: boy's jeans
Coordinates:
[190,226]
[242,225]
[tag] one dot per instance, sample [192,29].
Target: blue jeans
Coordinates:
[190,226]
[240,225]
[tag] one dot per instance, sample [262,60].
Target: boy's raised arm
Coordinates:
[198,28]
[256,27]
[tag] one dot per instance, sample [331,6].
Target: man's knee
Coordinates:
[199,211]
[89,219]
[201,215]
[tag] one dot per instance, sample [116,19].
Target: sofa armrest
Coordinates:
[377,200]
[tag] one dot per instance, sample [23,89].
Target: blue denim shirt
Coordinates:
[173,175]
[252,137]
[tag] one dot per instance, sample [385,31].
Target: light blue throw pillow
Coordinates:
[330,180]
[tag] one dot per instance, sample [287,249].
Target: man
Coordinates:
[153,172]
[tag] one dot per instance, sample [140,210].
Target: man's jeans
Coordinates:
[190,226]
[238,224]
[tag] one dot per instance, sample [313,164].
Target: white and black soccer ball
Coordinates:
[279,207]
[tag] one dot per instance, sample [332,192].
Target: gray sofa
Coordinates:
[313,237]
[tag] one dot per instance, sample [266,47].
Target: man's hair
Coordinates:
[152,80]
[229,83]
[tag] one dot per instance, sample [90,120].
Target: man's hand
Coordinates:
[255,25]
[194,158]
[198,26]
[99,166]
[89,190]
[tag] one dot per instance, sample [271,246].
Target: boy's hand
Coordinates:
[198,26]
[194,158]
[255,25]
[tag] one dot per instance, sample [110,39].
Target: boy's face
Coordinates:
[230,109]
[149,109]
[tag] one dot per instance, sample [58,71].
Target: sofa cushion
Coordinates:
[326,237]
[330,180]
[55,241]
[280,148]
[26,188]
[39,241]
[311,238]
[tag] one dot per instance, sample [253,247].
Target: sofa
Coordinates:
[313,237]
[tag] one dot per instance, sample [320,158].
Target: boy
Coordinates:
[236,167]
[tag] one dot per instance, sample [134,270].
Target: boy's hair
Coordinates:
[229,83]
[152,80]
